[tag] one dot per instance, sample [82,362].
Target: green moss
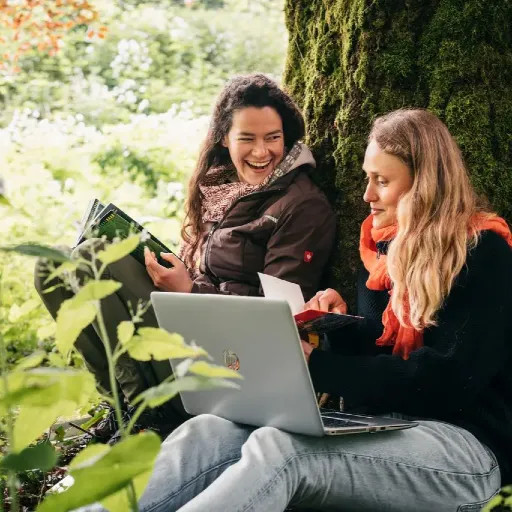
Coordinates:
[350,60]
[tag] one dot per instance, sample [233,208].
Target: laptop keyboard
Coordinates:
[333,419]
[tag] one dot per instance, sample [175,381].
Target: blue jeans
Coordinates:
[211,464]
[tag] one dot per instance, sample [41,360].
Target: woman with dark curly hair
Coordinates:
[251,208]
[251,205]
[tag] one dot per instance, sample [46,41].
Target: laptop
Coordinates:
[258,337]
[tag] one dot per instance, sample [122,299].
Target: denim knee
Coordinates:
[276,445]
[204,425]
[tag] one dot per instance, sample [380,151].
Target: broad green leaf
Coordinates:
[56,360]
[44,394]
[46,331]
[67,266]
[23,388]
[16,312]
[42,251]
[89,455]
[94,419]
[32,421]
[160,394]
[118,250]
[41,456]
[151,342]
[71,319]
[120,502]
[34,359]
[206,369]
[110,473]
[125,332]
[53,288]
[96,290]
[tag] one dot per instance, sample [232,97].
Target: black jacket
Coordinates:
[462,374]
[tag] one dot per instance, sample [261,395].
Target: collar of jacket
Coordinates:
[281,183]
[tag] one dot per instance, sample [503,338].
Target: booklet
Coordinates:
[110,221]
[311,320]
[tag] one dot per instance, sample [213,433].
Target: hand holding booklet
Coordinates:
[311,320]
[110,221]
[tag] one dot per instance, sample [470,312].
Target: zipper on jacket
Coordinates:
[218,224]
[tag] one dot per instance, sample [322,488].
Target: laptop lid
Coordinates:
[258,336]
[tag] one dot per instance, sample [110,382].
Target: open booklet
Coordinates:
[311,320]
[110,221]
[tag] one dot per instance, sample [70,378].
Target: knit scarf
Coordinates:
[403,338]
[220,188]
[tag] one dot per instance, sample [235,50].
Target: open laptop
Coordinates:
[258,337]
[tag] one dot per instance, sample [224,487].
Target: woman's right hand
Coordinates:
[327,300]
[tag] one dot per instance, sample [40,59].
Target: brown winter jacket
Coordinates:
[286,230]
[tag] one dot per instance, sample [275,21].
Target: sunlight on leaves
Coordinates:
[108,474]
[97,290]
[46,331]
[125,332]
[118,250]
[71,319]
[160,394]
[17,312]
[151,342]
[205,369]
[67,266]
[89,455]
[120,502]
[43,395]
[56,360]
[34,359]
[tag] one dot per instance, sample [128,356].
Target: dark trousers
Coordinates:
[132,376]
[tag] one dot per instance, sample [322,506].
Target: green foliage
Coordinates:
[117,476]
[152,343]
[102,472]
[41,456]
[119,119]
[502,502]
[156,55]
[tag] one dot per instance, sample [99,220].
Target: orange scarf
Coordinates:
[403,338]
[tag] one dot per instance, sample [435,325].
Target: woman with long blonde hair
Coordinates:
[435,346]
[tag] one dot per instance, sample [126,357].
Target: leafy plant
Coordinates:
[33,397]
[502,502]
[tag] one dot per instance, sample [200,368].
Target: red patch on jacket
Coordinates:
[308,256]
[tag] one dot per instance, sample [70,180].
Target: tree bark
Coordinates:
[351,60]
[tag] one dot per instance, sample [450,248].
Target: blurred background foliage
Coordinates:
[117,113]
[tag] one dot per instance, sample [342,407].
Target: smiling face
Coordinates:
[255,143]
[388,180]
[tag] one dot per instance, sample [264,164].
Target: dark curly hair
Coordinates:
[255,90]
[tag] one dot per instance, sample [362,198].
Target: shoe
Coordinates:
[108,426]
[156,420]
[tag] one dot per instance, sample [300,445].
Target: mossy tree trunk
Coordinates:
[351,60]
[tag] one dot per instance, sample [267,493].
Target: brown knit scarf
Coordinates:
[220,188]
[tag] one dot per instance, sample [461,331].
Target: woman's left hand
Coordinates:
[307,348]
[175,279]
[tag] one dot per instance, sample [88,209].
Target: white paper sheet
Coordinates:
[275,288]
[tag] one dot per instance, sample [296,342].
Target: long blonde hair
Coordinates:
[435,217]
